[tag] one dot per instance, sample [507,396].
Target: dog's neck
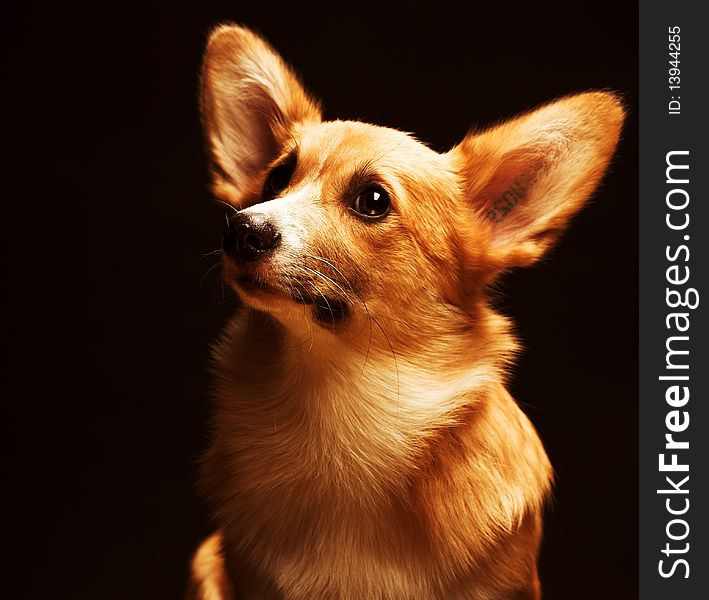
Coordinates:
[328,431]
[357,394]
[413,372]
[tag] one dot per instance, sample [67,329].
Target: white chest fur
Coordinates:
[314,451]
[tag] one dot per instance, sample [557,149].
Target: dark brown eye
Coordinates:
[278,179]
[372,203]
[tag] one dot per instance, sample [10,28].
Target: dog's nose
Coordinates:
[249,237]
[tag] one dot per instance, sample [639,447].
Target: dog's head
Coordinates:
[336,219]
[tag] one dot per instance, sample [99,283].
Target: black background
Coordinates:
[107,215]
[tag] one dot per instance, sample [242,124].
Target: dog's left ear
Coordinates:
[251,104]
[525,178]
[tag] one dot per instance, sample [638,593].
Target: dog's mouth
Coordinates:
[254,284]
[327,310]
[257,290]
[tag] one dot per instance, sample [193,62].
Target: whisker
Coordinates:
[394,147]
[237,163]
[369,343]
[208,272]
[326,278]
[203,256]
[329,308]
[227,294]
[395,320]
[310,326]
[396,365]
[351,289]
[219,201]
[333,267]
[296,291]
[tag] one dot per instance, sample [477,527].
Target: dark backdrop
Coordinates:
[107,216]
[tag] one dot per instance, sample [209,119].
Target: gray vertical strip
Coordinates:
[667,257]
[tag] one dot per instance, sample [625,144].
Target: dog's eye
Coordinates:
[372,203]
[278,179]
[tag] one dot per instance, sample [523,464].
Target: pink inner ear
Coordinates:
[510,185]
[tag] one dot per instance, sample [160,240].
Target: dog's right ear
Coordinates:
[251,103]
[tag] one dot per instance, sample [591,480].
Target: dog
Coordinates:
[364,445]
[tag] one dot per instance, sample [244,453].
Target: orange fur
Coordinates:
[378,455]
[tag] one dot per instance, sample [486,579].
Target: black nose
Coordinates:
[249,237]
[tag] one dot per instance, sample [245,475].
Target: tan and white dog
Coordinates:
[365,446]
